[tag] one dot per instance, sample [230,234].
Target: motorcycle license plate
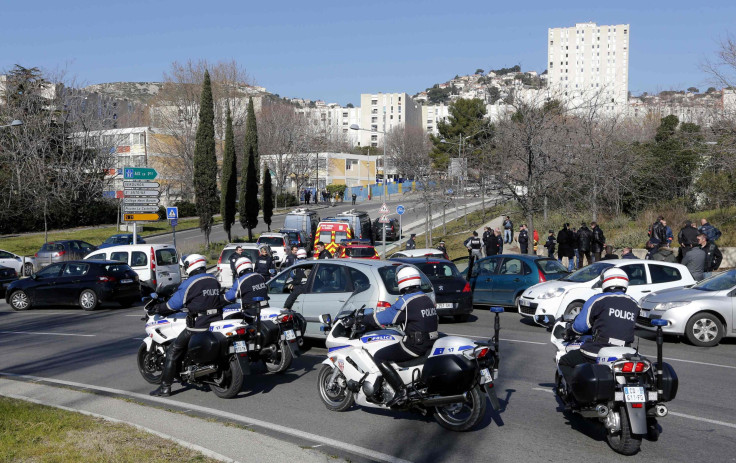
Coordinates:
[240,346]
[289,335]
[126,281]
[634,394]
[445,305]
[485,376]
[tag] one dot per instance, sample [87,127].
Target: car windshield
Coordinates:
[723,281]
[551,267]
[435,269]
[276,241]
[588,273]
[116,269]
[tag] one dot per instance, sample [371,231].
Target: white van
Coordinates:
[154,263]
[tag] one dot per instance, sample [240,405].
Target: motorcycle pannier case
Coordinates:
[669,382]
[592,383]
[448,374]
[204,347]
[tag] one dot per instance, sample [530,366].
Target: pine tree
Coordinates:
[229,185]
[251,136]
[249,197]
[205,162]
[267,198]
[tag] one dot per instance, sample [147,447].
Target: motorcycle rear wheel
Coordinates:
[281,360]
[339,398]
[465,415]
[148,364]
[232,381]
[624,442]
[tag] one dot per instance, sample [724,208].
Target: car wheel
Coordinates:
[28,269]
[88,300]
[19,300]
[704,330]
[574,309]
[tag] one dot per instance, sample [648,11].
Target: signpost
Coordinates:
[400,210]
[140,196]
[139,173]
[139,217]
[172,213]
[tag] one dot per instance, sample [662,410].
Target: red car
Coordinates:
[356,249]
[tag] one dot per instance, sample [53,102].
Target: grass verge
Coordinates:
[30,432]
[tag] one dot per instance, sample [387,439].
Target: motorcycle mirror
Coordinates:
[660,322]
[325,319]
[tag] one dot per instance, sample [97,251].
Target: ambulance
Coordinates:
[331,234]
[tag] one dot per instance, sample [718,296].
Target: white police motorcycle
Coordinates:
[448,382]
[623,389]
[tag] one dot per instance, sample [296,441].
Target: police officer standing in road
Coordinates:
[200,295]
[410,243]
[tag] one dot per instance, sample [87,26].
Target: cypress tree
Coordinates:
[205,162]
[249,197]
[267,198]
[251,136]
[229,185]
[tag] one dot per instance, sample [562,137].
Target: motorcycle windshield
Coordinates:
[351,305]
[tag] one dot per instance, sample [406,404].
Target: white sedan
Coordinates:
[568,294]
[22,265]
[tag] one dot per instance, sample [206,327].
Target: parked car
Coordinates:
[567,295]
[704,313]
[86,283]
[61,251]
[155,264]
[423,252]
[360,222]
[452,292]
[297,238]
[119,239]
[332,281]
[7,276]
[304,220]
[224,273]
[501,279]
[356,249]
[22,265]
[392,230]
[277,243]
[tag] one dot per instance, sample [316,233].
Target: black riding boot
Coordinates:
[393,378]
[164,390]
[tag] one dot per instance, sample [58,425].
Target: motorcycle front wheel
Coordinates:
[337,397]
[232,380]
[281,361]
[624,442]
[150,364]
[462,416]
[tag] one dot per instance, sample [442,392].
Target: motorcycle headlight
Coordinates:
[670,305]
[550,293]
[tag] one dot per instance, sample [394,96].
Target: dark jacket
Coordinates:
[713,257]
[711,233]
[609,257]
[585,237]
[233,258]
[289,261]
[610,317]
[508,225]
[659,232]
[694,260]
[200,295]
[411,244]
[629,256]
[665,255]
[499,244]
[325,254]
[263,265]
[598,240]
[523,239]
[550,245]
[688,237]
[491,243]
[566,243]
[417,316]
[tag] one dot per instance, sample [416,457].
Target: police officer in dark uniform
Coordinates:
[474,245]
[523,240]
[411,244]
[248,286]
[299,278]
[264,263]
[200,295]
[415,313]
[609,316]
[234,258]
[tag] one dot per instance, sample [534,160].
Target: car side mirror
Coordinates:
[597,285]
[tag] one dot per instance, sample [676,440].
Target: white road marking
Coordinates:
[681,415]
[131,315]
[692,361]
[362,451]
[502,339]
[49,334]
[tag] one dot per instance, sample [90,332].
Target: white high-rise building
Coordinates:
[589,62]
[381,112]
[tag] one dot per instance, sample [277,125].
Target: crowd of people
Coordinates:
[697,248]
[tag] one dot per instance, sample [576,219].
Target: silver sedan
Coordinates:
[704,313]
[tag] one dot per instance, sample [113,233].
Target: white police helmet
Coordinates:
[614,279]
[194,262]
[408,277]
[301,253]
[243,264]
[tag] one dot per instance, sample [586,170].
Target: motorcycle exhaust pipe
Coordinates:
[602,410]
[204,371]
[661,410]
[444,400]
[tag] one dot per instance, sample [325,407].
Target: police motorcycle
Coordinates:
[217,358]
[448,382]
[623,390]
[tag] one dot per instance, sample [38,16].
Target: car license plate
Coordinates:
[289,335]
[524,302]
[445,305]
[240,346]
[485,376]
[127,280]
[634,394]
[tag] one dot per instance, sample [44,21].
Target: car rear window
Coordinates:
[551,267]
[52,247]
[388,275]
[166,257]
[439,270]
[360,252]
[271,241]
[116,269]
[339,236]
[120,256]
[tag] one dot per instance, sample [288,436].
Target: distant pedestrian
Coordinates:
[598,241]
[307,194]
[658,230]
[566,243]
[410,243]
[711,233]
[694,260]
[628,253]
[652,247]
[664,254]
[354,198]
[585,237]
[499,241]
[609,253]
[441,247]
[688,238]
[474,245]
[550,244]
[508,230]
[713,256]
[523,239]
[489,242]
[669,237]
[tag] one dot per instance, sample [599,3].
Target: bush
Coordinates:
[339,189]
[286,200]
[186,209]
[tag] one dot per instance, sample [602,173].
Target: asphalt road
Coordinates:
[98,348]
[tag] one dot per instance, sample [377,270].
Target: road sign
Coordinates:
[174,223]
[384,209]
[172,213]
[400,210]
[139,184]
[139,217]
[129,209]
[449,191]
[139,173]
[149,201]
[140,192]
[384,219]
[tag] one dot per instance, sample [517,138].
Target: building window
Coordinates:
[374,111]
[344,114]
[137,139]
[374,137]
[351,164]
[374,119]
[374,102]
[374,128]
[375,145]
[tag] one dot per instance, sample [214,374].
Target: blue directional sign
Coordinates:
[400,210]
[174,223]
[172,213]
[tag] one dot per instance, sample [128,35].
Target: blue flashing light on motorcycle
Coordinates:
[497,309]
[660,322]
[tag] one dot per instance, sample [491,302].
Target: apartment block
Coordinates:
[381,112]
